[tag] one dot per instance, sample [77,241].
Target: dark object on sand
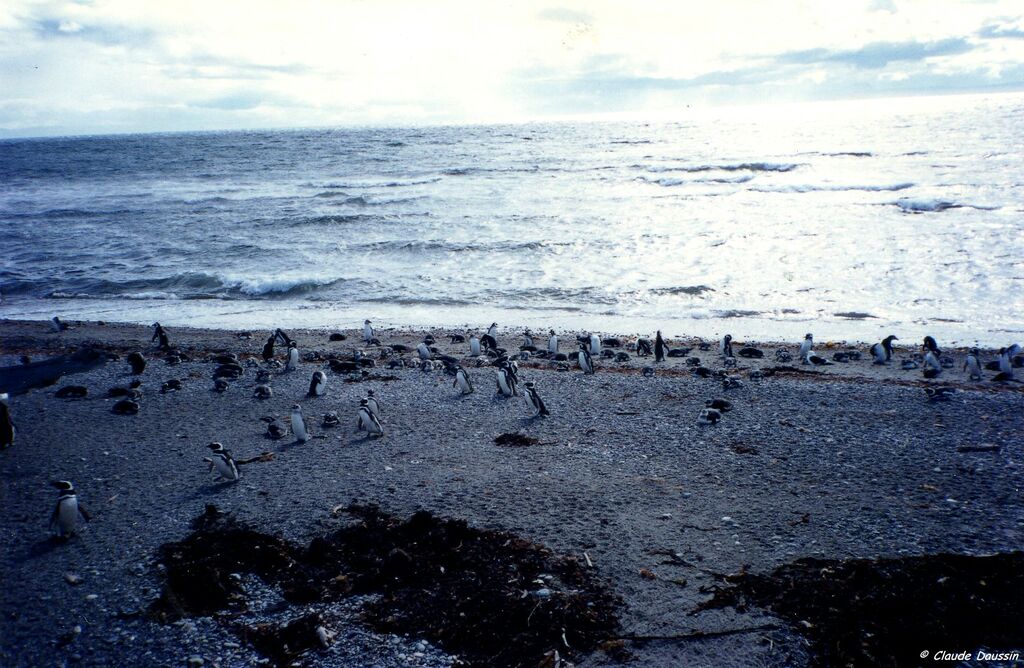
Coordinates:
[343,366]
[24,377]
[939,393]
[679,352]
[703,372]
[126,407]
[489,596]
[228,371]
[6,425]
[220,385]
[515,440]
[886,611]
[979,448]
[172,385]
[276,430]
[751,353]
[72,392]
[723,405]
[611,343]
[337,336]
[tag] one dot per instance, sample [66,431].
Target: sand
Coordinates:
[853,462]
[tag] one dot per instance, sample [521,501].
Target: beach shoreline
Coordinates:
[853,462]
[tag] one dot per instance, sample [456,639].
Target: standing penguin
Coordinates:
[535,401]
[1006,356]
[423,350]
[293,356]
[805,349]
[317,384]
[595,344]
[367,421]
[506,381]
[299,424]
[882,352]
[56,324]
[462,381]
[490,340]
[137,362]
[6,424]
[268,348]
[492,331]
[373,404]
[222,462]
[527,339]
[725,347]
[367,331]
[474,346]
[972,365]
[660,349]
[553,343]
[584,359]
[159,333]
[932,366]
[65,515]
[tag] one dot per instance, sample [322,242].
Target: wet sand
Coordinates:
[851,462]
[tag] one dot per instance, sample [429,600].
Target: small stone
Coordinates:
[195,660]
[73,578]
[92,597]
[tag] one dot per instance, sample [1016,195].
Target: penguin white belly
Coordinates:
[67,516]
[293,359]
[595,345]
[299,426]
[463,383]
[474,346]
[553,344]
[224,469]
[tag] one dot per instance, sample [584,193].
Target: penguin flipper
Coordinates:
[86,515]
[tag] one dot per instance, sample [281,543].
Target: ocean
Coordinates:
[850,220]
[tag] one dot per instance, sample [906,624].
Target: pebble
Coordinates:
[73,578]
[92,597]
[195,660]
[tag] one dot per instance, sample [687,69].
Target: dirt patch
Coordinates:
[491,597]
[887,611]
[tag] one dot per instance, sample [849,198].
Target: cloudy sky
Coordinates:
[94,66]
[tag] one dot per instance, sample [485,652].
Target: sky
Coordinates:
[111,66]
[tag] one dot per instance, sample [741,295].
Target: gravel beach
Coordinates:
[844,462]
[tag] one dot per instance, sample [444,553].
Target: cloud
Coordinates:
[1005,31]
[564,15]
[879,54]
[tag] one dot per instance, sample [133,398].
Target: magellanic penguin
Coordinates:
[137,362]
[806,348]
[367,331]
[725,347]
[367,421]
[595,344]
[423,350]
[317,384]
[7,430]
[644,347]
[506,381]
[373,404]
[462,381]
[709,416]
[932,366]
[65,516]
[489,341]
[56,324]
[299,424]
[221,461]
[535,401]
[492,331]
[527,338]
[553,343]
[268,348]
[474,346]
[660,349]
[160,334]
[972,365]
[882,352]
[1006,356]
[293,356]
[586,362]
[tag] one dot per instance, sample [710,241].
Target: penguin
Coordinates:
[367,331]
[276,430]
[488,342]
[220,385]
[317,384]
[367,421]
[817,360]
[644,347]
[535,401]
[331,419]
[709,416]
[553,343]
[1006,359]
[882,351]
[293,357]
[457,338]
[159,333]
[268,348]
[595,345]
[506,381]
[648,372]
[729,383]
[474,346]
[725,347]
[262,392]
[222,462]
[423,350]
[492,331]
[373,404]
[172,385]
[299,424]
[722,405]
[585,361]
[72,392]
[7,430]
[137,363]
[462,381]
[56,324]
[126,407]
[805,349]
[527,338]
[65,515]
[972,365]
[660,349]
[932,366]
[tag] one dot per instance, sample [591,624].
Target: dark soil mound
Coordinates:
[888,611]
[491,597]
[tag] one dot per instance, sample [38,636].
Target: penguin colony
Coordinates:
[485,351]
